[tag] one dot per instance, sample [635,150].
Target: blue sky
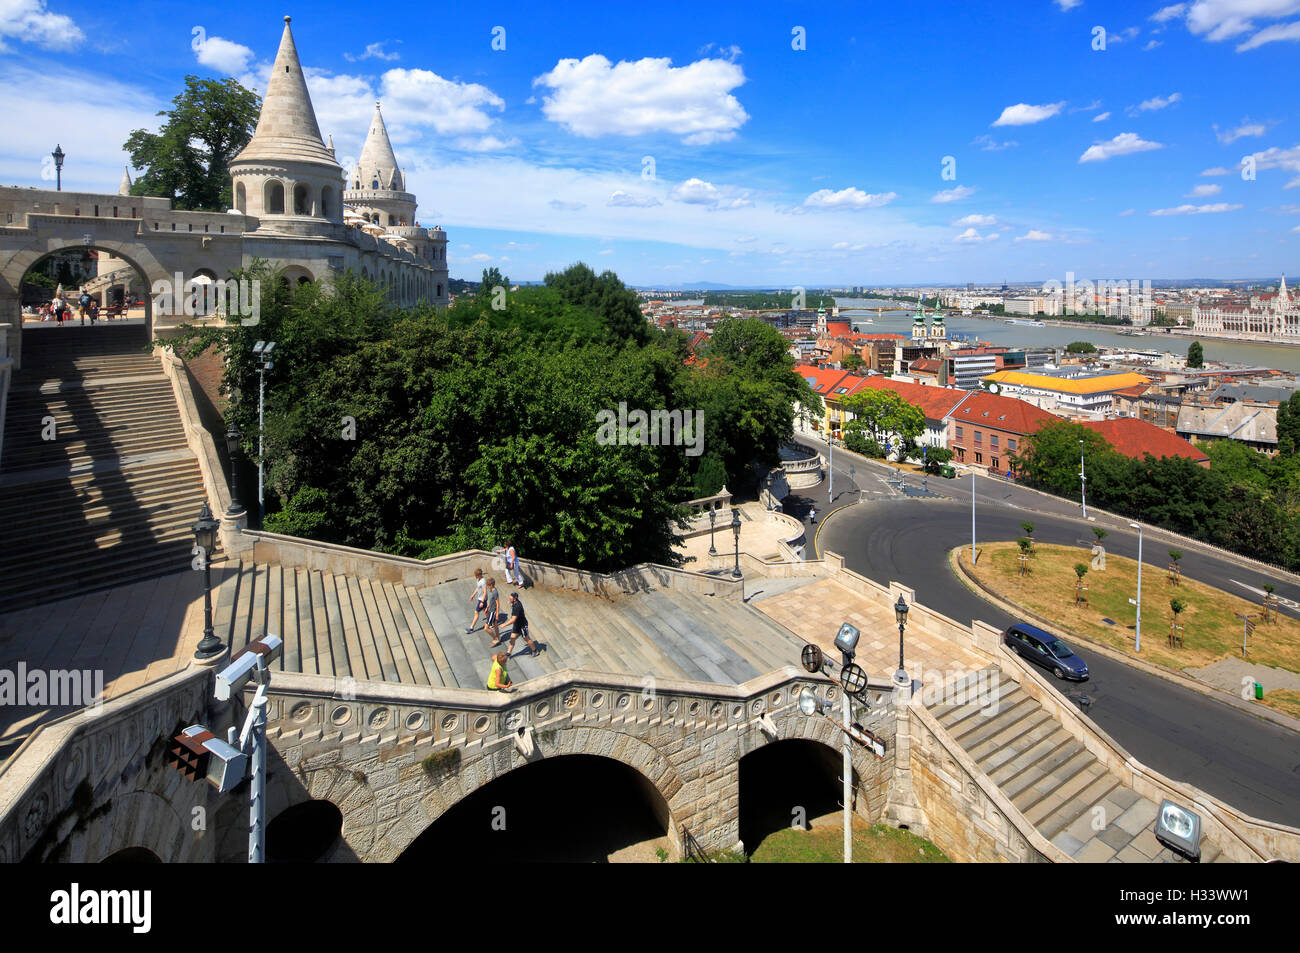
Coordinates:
[905,143]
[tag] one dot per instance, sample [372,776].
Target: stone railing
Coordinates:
[800,474]
[59,782]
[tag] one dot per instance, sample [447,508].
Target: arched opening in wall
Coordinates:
[273,198]
[326,201]
[304,833]
[132,855]
[392,219]
[789,782]
[571,808]
[241,197]
[301,200]
[116,287]
[439,289]
[205,302]
[374,219]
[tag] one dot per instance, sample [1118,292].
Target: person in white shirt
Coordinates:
[513,576]
[480,598]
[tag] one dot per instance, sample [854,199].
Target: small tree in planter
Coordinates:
[1176,606]
[1270,602]
[1026,548]
[1080,570]
[1029,535]
[1175,571]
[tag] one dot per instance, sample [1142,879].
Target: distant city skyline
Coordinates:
[924,144]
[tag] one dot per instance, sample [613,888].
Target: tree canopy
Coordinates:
[188,159]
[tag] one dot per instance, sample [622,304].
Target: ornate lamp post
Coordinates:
[713,517]
[205,538]
[262,351]
[1083,482]
[900,613]
[58,167]
[735,531]
[233,436]
[1137,642]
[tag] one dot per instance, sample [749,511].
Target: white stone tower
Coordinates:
[124,187]
[286,177]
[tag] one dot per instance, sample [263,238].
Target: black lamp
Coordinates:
[735,530]
[233,436]
[58,167]
[205,539]
[713,516]
[900,613]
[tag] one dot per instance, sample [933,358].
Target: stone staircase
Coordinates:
[1056,783]
[111,498]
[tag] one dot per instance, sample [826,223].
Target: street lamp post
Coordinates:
[205,537]
[1138,627]
[58,155]
[925,468]
[233,436]
[712,519]
[830,461]
[847,642]
[1083,482]
[735,531]
[972,517]
[262,351]
[900,614]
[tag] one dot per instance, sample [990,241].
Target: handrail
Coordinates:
[695,853]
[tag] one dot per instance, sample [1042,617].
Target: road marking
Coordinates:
[1282,600]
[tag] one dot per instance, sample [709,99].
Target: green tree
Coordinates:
[188,159]
[606,296]
[492,278]
[1100,533]
[1288,426]
[1080,347]
[936,457]
[1049,458]
[710,477]
[1195,355]
[882,414]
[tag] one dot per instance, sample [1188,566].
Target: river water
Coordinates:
[997,331]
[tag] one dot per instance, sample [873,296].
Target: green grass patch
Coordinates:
[824,844]
[441,762]
[1285,700]
[1210,629]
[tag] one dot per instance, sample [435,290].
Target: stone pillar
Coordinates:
[902,806]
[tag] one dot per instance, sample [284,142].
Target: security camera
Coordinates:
[197,752]
[254,656]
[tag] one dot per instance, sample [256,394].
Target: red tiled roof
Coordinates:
[1003,413]
[838,329]
[935,402]
[925,364]
[1133,438]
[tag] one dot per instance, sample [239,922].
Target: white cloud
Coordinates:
[1203,191]
[1171,12]
[373,51]
[849,198]
[976,220]
[566,206]
[1121,36]
[1221,19]
[1197,209]
[1034,235]
[1123,144]
[1127,211]
[30,22]
[631,200]
[1101,117]
[1220,170]
[698,192]
[422,97]
[1151,45]
[592,97]
[1066,5]
[1271,34]
[225,56]
[952,195]
[483,143]
[989,144]
[1154,103]
[972,237]
[1023,114]
[1245,129]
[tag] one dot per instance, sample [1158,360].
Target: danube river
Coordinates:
[997,331]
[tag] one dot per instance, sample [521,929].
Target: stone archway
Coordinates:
[15,263]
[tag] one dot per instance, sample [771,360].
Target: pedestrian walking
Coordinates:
[491,603]
[480,596]
[518,623]
[57,306]
[512,565]
[94,311]
[812,514]
[83,303]
[499,677]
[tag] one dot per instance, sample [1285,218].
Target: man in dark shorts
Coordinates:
[519,625]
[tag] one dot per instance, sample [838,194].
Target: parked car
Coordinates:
[1035,645]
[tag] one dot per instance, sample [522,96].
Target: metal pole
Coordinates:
[261,394]
[830,456]
[848,780]
[972,517]
[257,793]
[1138,644]
[1083,482]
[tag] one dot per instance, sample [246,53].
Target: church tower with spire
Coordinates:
[286,177]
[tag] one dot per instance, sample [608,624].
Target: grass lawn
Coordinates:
[824,844]
[1210,629]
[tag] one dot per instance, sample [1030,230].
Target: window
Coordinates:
[959,434]
[1011,445]
[979,458]
[979,438]
[995,464]
[961,453]
[993,441]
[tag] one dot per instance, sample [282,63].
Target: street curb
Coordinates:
[817,552]
[1186,681]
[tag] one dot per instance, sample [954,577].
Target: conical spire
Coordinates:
[125,187]
[286,128]
[377,160]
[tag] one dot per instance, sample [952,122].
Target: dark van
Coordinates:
[1035,645]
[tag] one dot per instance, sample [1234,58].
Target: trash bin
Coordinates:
[1259,690]
[948,471]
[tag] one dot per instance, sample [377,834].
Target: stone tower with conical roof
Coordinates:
[286,176]
[124,187]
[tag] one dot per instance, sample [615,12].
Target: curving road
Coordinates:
[886,535]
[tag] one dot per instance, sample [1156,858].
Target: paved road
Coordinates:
[1252,764]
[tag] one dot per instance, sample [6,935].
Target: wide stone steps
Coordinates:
[112,499]
[1060,787]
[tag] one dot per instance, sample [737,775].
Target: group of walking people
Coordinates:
[60,310]
[487,603]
